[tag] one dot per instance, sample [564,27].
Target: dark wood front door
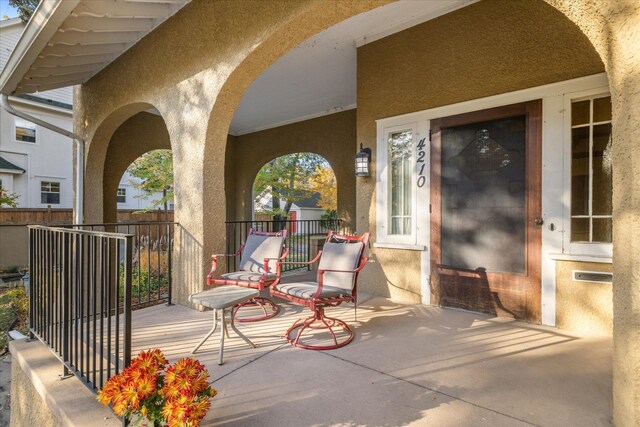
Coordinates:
[486,209]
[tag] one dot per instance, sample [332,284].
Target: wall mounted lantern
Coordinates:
[363,158]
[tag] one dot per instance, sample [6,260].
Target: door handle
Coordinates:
[537,222]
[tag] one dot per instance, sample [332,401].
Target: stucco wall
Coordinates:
[332,136]
[27,407]
[485,49]
[139,134]
[14,246]
[583,306]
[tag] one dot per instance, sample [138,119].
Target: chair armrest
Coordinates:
[278,263]
[214,263]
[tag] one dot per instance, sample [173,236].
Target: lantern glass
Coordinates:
[362,164]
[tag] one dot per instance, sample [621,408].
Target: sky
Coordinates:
[7,10]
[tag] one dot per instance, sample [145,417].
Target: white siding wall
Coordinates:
[51,157]
[134,197]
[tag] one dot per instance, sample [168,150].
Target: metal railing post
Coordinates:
[169,263]
[66,303]
[128,295]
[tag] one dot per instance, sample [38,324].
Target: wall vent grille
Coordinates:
[592,276]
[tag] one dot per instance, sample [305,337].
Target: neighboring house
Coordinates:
[305,209]
[130,197]
[36,163]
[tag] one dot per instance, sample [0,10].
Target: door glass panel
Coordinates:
[602,170]
[580,229]
[580,113]
[580,171]
[484,194]
[602,109]
[602,230]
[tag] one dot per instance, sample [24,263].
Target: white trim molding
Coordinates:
[554,177]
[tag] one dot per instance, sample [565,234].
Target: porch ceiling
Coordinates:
[69,41]
[318,77]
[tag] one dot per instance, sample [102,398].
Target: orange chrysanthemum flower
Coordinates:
[183,399]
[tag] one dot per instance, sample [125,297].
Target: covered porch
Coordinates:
[408,365]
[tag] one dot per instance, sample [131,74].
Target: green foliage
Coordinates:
[330,215]
[8,199]
[155,172]
[144,282]
[287,179]
[14,308]
[25,8]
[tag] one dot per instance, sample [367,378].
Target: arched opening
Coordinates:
[298,187]
[145,190]
[123,137]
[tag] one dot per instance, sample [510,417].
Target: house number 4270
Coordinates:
[421,163]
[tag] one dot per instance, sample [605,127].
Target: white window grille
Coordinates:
[50,193]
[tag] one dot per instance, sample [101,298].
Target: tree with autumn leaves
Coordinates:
[292,178]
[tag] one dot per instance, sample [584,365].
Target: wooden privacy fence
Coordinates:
[14,236]
[19,216]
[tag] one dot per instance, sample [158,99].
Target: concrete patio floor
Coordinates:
[408,365]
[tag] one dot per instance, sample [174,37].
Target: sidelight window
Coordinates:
[400,155]
[591,170]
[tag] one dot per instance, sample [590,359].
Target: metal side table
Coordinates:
[221,300]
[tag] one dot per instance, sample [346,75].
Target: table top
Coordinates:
[224,296]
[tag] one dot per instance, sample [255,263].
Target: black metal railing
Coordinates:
[152,258]
[80,299]
[302,240]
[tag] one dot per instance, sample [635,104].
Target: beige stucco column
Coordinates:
[624,76]
[613,26]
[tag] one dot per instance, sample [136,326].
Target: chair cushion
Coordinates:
[247,276]
[307,289]
[340,256]
[256,249]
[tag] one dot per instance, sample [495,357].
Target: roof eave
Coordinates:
[12,171]
[44,22]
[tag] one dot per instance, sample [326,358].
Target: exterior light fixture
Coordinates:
[363,158]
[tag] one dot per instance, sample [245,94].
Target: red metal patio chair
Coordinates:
[341,259]
[258,269]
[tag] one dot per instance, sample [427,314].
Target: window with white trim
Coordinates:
[50,193]
[25,131]
[122,195]
[400,174]
[591,170]
[397,207]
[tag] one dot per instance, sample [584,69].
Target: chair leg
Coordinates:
[269,309]
[318,321]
